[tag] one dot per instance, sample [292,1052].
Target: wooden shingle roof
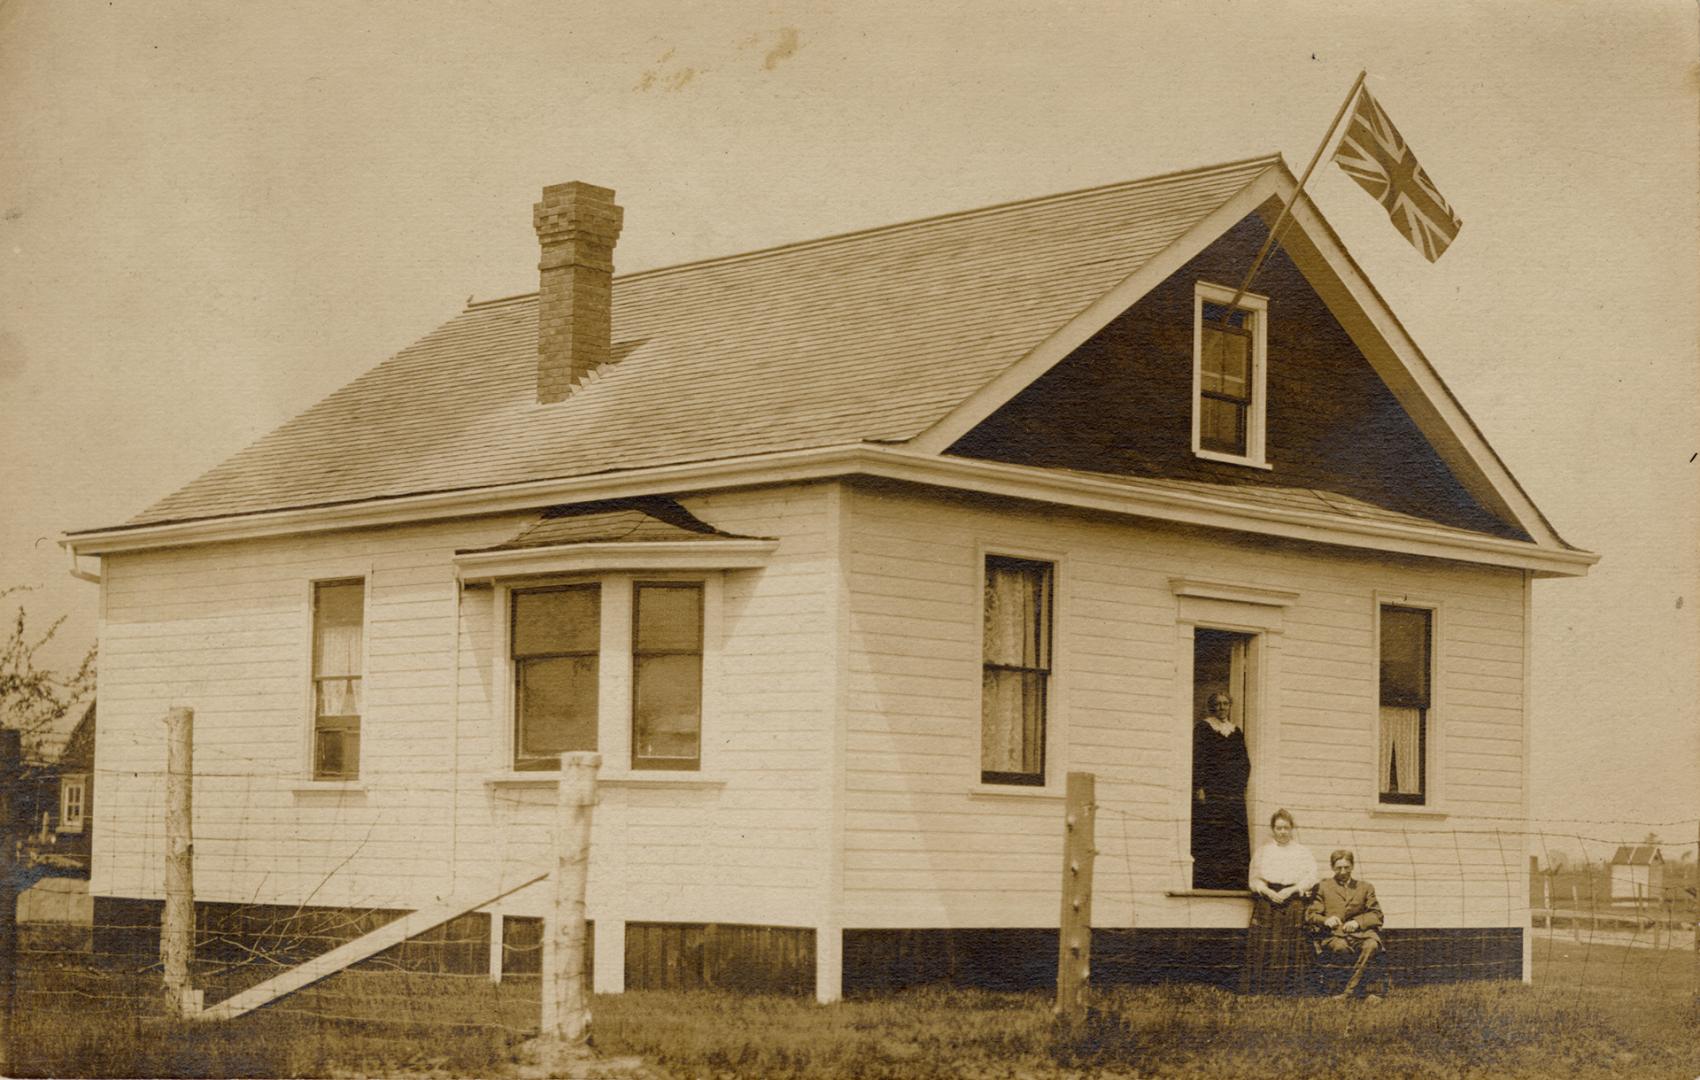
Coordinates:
[867,337]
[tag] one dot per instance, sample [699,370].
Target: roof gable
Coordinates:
[1122,403]
[1350,297]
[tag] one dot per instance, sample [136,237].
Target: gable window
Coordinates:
[1228,375]
[1016,671]
[555,639]
[1407,644]
[339,621]
[667,675]
[72,798]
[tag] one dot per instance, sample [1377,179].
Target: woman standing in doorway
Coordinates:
[1220,768]
[1278,951]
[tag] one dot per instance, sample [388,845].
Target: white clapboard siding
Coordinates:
[922,848]
[225,630]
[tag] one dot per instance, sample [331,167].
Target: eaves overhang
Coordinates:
[1116,495]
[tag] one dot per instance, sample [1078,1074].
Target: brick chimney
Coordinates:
[577,225]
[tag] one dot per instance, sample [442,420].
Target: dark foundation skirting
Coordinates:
[877,961]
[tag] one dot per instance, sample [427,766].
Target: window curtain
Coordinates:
[337,663]
[1011,701]
[1400,759]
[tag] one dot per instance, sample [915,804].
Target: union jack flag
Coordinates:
[1373,154]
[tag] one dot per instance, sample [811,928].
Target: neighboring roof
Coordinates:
[78,754]
[613,521]
[871,336]
[1637,855]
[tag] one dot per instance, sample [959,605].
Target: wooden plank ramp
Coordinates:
[391,933]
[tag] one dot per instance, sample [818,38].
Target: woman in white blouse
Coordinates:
[1278,953]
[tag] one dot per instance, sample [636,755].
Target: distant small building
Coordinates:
[1637,870]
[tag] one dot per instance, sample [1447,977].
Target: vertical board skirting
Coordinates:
[698,956]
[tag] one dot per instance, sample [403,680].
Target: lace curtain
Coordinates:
[336,662]
[1401,758]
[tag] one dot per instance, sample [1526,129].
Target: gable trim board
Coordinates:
[1114,494]
[1365,316]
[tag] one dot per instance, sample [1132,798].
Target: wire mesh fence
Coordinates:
[1602,917]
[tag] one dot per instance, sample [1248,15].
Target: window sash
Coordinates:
[1015,671]
[1405,659]
[339,646]
[667,670]
[336,749]
[71,806]
[554,649]
[1228,390]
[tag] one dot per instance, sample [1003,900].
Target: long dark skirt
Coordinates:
[1221,847]
[1277,950]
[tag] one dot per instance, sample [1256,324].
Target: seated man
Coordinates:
[1345,917]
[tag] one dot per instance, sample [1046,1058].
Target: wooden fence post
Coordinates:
[566,1003]
[1575,914]
[177,929]
[1074,939]
[11,773]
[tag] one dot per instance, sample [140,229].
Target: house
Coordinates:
[1637,872]
[51,796]
[73,825]
[844,554]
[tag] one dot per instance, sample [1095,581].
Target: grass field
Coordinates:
[1599,1011]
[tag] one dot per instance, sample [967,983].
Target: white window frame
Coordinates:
[1257,308]
[1434,747]
[77,782]
[654,580]
[1056,734]
[364,575]
[615,673]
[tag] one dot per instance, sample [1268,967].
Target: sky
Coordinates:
[212,215]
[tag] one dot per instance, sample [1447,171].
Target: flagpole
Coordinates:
[1275,230]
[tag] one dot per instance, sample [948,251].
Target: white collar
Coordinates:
[1223,727]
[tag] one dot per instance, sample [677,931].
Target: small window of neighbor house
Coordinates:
[1016,671]
[1407,645]
[555,641]
[339,618]
[1228,375]
[72,798]
[667,675]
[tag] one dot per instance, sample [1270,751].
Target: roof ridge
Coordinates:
[1267,160]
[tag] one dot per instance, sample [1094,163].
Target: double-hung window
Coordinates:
[1016,671]
[73,791]
[1407,646]
[555,640]
[667,675]
[339,630]
[1228,375]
